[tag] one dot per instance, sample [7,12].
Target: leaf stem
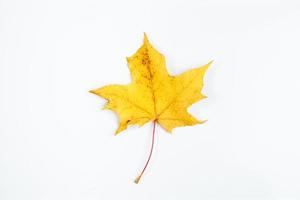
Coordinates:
[149,157]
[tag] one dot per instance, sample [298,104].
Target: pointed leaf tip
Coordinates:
[92,91]
[146,40]
[210,62]
[206,66]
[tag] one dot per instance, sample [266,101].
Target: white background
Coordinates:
[57,144]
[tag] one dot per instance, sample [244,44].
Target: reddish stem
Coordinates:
[149,157]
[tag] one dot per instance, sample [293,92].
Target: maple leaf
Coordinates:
[154,95]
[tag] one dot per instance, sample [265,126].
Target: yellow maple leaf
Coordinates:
[154,95]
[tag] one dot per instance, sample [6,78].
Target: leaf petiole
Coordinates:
[137,179]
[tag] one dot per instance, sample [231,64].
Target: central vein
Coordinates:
[147,62]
